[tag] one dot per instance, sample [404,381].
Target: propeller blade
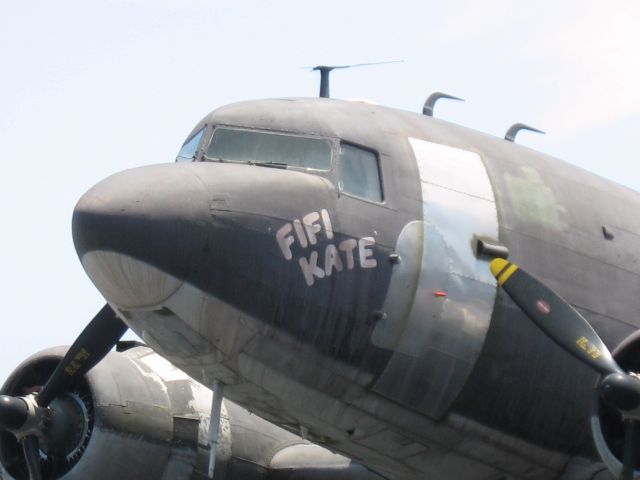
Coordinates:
[93,344]
[13,412]
[559,320]
[31,450]
[628,458]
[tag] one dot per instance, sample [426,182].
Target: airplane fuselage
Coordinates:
[321,259]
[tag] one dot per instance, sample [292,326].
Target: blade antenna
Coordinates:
[427,109]
[325,70]
[510,136]
[324,79]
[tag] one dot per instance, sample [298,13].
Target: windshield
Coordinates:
[266,148]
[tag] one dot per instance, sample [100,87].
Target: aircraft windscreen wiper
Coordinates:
[270,149]
[271,164]
[208,158]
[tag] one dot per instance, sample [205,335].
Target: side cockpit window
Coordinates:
[269,149]
[188,151]
[359,173]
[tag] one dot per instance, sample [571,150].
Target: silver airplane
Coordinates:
[313,283]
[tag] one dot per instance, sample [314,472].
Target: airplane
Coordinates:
[315,283]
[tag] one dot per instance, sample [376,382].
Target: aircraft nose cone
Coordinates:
[140,233]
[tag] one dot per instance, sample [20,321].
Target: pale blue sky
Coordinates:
[91,88]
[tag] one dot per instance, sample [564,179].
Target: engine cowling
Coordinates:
[136,416]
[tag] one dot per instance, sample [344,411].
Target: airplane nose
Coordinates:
[140,233]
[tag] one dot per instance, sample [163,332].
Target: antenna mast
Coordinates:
[325,70]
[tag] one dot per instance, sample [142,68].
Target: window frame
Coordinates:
[331,174]
[376,155]
[197,152]
[316,171]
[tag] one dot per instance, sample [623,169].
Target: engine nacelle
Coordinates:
[136,416]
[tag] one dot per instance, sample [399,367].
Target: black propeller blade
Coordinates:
[91,346]
[563,324]
[630,432]
[31,449]
[95,341]
[559,320]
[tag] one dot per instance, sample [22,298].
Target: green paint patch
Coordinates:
[532,200]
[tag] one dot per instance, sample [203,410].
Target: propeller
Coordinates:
[25,417]
[31,450]
[564,325]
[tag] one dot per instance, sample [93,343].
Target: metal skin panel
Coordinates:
[437,339]
[451,168]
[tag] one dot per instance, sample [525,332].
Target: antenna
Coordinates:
[510,136]
[427,109]
[326,69]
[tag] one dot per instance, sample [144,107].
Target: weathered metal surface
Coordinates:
[437,317]
[152,422]
[346,357]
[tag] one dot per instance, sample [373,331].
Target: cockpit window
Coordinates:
[358,173]
[270,149]
[188,151]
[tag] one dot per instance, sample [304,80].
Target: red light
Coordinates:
[439,293]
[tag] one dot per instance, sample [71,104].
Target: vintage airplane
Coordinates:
[328,263]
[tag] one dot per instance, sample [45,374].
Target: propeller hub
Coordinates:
[26,417]
[13,412]
[621,392]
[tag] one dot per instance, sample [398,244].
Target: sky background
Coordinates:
[91,88]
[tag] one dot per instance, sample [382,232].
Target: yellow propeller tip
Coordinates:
[497,265]
[502,270]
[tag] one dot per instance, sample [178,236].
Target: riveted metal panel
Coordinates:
[441,295]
